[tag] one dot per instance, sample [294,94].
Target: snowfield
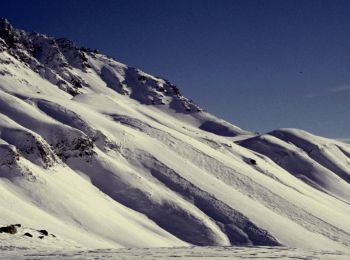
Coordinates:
[193,253]
[106,157]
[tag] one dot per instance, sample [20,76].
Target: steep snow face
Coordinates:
[105,156]
[321,163]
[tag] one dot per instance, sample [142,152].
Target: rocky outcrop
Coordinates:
[11,229]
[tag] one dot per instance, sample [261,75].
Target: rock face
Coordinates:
[44,232]
[16,231]
[110,156]
[55,60]
[11,229]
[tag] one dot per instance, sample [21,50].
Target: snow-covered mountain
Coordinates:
[103,155]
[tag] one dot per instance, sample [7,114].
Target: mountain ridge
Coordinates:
[106,155]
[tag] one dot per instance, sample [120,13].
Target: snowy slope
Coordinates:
[106,156]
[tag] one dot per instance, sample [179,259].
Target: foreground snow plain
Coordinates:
[213,253]
[105,156]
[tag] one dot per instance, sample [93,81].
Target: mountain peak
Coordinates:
[4,21]
[7,32]
[5,26]
[58,59]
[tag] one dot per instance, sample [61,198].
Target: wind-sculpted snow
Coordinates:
[301,162]
[30,145]
[106,156]
[331,155]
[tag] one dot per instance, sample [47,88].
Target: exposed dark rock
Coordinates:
[28,234]
[79,147]
[85,49]
[76,83]
[176,90]
[11,229]
[142,78]
[250,161]
[44,232]
[9,155]
[6,31]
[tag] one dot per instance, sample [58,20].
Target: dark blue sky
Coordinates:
[258,64]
